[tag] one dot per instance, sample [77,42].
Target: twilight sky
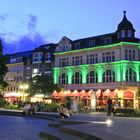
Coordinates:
[26,24]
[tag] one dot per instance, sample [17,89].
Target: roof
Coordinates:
[125,23]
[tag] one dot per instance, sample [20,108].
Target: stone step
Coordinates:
[55,124]
[55,134]
[87,134]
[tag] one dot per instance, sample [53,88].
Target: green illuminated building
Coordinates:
[109,62]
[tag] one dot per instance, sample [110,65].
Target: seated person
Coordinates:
[32,109]
[64,112]
[26,109]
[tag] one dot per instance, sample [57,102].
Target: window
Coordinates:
[77,78]
[91,43]
[107,40]
[48,57]
[108,76]
[63,62]
[13,60]
[63,79]
[123,34]
[92,77]
[76,60]
[47,47]
[129,33]
[15,69]
[64,48]
[130,75]
[92,58]
[108,57]
[19,59]
[48,67]
[35,70]
[37,57]
[77,45]
[130,55]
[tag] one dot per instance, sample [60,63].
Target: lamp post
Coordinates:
[24,87]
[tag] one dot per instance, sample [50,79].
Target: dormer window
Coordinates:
[129,33]
[77,45]
[48,57]
[19,59]
[123,34]
[37,56]
[107,40]
[13,60]
[91,43]
[47,47]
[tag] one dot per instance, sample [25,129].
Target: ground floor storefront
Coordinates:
[97,99]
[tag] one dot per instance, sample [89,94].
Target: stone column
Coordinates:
[93,100]
[56,75]
[100,73]
[84,74]
[70,74]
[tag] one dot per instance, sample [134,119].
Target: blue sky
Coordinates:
[25,24]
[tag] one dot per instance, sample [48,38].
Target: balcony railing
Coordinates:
[97,86]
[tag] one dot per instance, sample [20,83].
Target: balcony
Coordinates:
[96,86]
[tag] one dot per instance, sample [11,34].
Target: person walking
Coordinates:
[109,106]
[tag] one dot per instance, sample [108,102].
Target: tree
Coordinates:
[3,68]
[42,84]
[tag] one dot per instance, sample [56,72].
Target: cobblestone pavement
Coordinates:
[21,128]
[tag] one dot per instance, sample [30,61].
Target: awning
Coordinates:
[128,94]
[12,94]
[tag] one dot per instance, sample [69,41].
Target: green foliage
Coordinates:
[1,102]
[10,106]
[50,107]
[3,68]
[42,84]
[128,112]
[137,112]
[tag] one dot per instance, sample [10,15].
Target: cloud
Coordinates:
[31,26]
[23,44]
[3,17]
[20,34]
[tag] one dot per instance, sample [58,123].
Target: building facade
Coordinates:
[103,66]
[15,75]
[23,66]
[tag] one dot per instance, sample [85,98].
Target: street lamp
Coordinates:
[24,87]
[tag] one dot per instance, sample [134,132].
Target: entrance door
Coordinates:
[128,103]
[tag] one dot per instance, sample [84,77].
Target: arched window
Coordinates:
[109,76]
[63,79]
[77,78]
[130,75]
[92,77]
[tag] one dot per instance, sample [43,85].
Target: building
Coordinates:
[15,75]
[41,61]
[23,66]
[99,67]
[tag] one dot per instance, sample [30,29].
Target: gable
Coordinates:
[64,45]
